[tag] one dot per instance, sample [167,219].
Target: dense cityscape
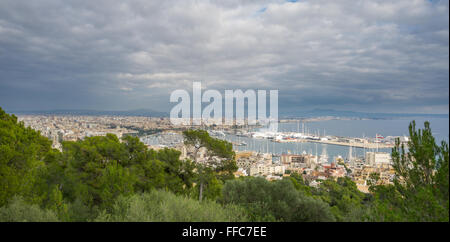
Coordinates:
[271,166]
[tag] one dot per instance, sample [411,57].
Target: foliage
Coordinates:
[18,210]
[421,185]
[299,183]
[162,206]
[274,201]
[215,148]
[96,170]
[341,195]
[22,154]
[208,172]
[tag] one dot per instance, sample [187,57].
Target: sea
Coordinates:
[344,128]
[335,127]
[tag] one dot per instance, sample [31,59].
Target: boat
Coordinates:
[242,144]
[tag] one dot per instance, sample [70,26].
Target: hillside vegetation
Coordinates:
[107,179]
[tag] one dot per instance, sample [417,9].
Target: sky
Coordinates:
[373,56]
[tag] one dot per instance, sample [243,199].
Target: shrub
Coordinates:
[19,211]
[274,201]
[163,206]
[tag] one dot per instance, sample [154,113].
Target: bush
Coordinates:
[19,211]
[275,201]
[163,206]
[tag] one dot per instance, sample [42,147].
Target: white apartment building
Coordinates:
[263,169]
[378,158]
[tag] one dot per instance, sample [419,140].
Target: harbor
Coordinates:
[338,138]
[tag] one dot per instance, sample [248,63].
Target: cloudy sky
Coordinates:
[377,56]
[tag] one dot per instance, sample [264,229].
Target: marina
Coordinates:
[337,138]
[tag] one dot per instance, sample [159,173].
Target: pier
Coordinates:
[354,144]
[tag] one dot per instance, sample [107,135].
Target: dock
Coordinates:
[370,145]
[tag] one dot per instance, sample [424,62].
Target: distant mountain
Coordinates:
[137,112]
[352,114]
[282,115]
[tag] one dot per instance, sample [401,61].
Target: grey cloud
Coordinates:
[377,55]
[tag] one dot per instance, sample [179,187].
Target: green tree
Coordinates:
[421,183]
[115,181]
[220,157]
[341,195]
[299,183]
[22,154]
[274,201]
[179,175]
